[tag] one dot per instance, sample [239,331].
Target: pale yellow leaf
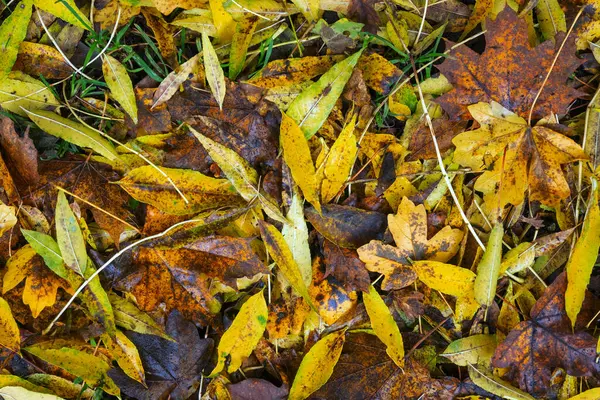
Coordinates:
[8,217]
[69,237]
[471,350]
[12,32]
[214,73]
[9,331]
[488,269]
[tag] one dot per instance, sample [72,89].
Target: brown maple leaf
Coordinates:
[535,348]
[510,72]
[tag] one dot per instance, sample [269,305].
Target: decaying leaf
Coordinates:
[508,72]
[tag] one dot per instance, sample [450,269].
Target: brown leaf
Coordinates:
[160,282]
[150,121]
[19,150]
[88,180]
[364,371]
[348,227]
[345,266]
[421,143]
[510,72]
[41,60]
[173,368]
[535,348]
[257,389]
[364,11]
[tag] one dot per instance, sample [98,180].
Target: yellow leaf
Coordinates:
[317,365]
[309,8]
[591,394]
[73,132]
[481,11]
[93,370]
[15,381]
[551,18]
[222,20]
[471,350]
[130,317]
[311,108]
[213,70]
[238,342]
[296,154]
[239,44]
[339,162]
[21,90]
[293,71]
[120,86]
[17,392]
[384,326]
[281,254]
[240,173]
[448,279]
[41,284]
[488,269]
[8,218]
[124,351]
[495,385]
[581,263]
[147,185]
[9,331]
[69,237]
[12,32]
[65,10]
[518,259]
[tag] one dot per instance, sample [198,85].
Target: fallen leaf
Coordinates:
[384,326]
[126,355]
[120,85]
[69,237]
[239,45]
[41,60]
[238,342]
[471,350]
[488,269]
[41,284]
[525,159]
[214,72]
[346,267]
[347,227]
[20,151]
[12,33]
[515,81]
[311,108]
[67,11]
[583,258]
[533,349]
[9,330]
[292,71]
[173,368]
[317,365]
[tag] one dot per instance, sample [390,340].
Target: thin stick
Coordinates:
[537,96]
[422,24]
[58,47]
[110,260]
[89,203]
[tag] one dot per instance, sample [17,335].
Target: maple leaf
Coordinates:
[173,367]
[510,72]
[89,181]
[535,348]
[524,158]
[409,230]
[346,267]
[364,371]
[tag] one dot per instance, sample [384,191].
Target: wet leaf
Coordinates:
[126,355]
[241,338]
[317,365]
[239,45]
[130,317]
[120,85]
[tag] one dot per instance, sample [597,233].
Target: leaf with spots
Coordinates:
[409,230]
[238,342]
